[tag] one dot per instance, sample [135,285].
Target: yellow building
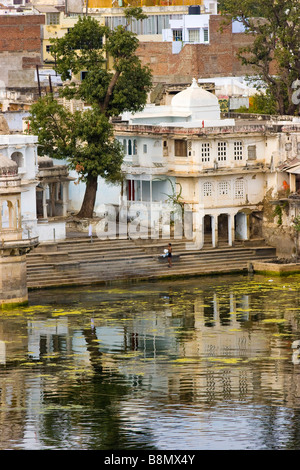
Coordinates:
[140,3]
[57,24]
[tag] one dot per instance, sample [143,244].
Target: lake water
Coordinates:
[201,364]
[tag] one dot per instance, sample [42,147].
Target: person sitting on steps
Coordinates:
[170,255]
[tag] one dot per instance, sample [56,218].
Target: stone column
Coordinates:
[214,230]
[292,183]
[44,186]
[65,195]
[231,231]
[15,215]
[13,280]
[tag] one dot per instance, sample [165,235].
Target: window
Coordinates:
[207,189]
[239,189]
[18,158]
[194,35]
[177,34]
[238,150]
[189,146]
[52,18]
[222,150]
[205,152]
[129,147]
[223,188]
[145,148]
[83,74]
[205,34]
[251,152]
[134,147]
[125,146]
[180,148]
[48,47]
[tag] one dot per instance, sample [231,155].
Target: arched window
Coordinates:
[239,189]
[125,146]
[129,147]
[223,188]
[7,214]
[207,189]
[18,158]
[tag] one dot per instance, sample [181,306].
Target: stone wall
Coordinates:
[20,50]
[13,280]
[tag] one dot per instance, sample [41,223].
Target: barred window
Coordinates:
[239,189]
[223,188]
[238,150]
[207,189]
[189,146]
[205,34]
[205,152]
[177,34]
[222,151]
[52,18]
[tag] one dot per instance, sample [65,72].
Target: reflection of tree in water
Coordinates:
[98,398]
[198,384]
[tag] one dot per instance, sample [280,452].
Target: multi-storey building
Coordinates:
[222,169]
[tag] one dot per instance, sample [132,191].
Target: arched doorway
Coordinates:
[207,230]
[223,229]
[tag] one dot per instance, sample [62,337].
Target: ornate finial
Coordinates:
[194,83]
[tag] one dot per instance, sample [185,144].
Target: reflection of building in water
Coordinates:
[46,337]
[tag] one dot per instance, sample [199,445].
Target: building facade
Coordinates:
[223,170]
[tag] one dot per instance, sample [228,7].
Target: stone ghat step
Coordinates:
[113,257]
[89,280]
[134,264]
[70,243]
[113,264]
[101,248]
[131,272]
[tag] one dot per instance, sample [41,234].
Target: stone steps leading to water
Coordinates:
[80,262]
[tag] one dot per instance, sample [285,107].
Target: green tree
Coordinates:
[84,139]
[274,51]
[115,81]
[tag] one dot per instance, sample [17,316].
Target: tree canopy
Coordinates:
[114,81]
[275,50]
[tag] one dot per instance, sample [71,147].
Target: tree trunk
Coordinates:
[89,199]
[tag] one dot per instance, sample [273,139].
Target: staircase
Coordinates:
[78,261]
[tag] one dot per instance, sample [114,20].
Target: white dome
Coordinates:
[201,103]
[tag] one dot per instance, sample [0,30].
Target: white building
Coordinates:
[224,169]
[189,29]
[44,186]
